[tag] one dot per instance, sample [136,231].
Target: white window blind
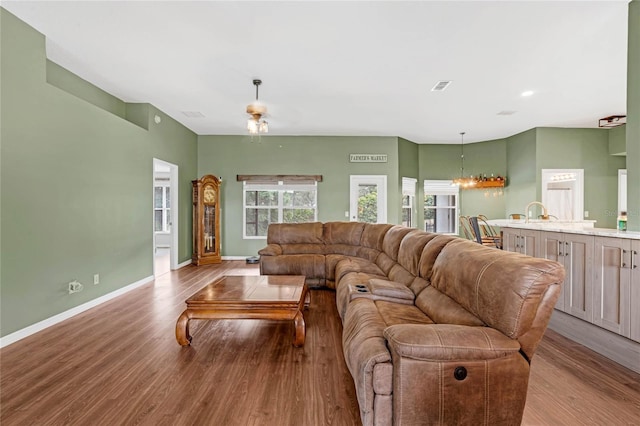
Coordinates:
[440,187]
[409,186]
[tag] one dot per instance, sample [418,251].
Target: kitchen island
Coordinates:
[600,304]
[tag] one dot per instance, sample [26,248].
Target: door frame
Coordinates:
[381,182]
[173,212]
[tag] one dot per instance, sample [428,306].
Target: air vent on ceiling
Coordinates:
[441,85]
[193,114]
[506,113]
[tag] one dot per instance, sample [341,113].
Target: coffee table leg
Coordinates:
[307,300]
[182,329]
[301,331]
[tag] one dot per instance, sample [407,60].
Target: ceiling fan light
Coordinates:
[263,127]
[252,126]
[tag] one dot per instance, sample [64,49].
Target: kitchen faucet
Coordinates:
[545,213]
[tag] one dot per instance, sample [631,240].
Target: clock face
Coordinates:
[209,195]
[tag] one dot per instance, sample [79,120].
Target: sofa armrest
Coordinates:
[390,289]
[271,250]
[456,374]
[446,342]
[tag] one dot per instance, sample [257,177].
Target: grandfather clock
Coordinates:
[206,220]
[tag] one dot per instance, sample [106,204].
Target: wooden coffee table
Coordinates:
[274,297]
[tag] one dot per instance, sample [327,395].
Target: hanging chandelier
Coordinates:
[256,124]
[463,181]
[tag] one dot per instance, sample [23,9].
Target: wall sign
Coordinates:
[367,158]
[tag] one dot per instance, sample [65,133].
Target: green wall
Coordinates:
[228,156]
[522,187]
[586,149]
[443,162]
[76,186]
[618,140]
[633,117]
[409,167]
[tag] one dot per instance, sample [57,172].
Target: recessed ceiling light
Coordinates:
[527,93]
[506,113]
[441,85]
[193,114]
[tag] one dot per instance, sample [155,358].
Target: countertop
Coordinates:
[585,227]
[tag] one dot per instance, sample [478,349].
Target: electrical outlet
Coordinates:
[96,279]
[75,286]
[586,213]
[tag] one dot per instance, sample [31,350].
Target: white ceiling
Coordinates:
[350,68]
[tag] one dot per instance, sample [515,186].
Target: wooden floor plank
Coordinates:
[119,364]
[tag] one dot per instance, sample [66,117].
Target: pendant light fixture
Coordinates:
[462,181]
[256,124]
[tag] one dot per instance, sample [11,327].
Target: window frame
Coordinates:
[166,211]
[280,187]
[447,188]
[409,190]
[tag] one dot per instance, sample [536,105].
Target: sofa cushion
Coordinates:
[430,252]
[399,274]
[373,235]
[392,240]
[396,313]
[348,233]
[309,265]
[444,310]
[295,233]
[303,248]
[410,250]
[356,264]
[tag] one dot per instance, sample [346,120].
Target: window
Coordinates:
[440,206]
[408,201]
[277,202]
[161,209]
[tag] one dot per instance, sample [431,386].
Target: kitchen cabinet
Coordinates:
[575,253]
[524,241]
[616,290]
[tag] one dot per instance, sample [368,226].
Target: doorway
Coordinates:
[563,193]
[368,198]
[165,217]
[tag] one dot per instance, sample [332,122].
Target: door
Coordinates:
[577,253]
[368,199]
[165,217]
[612,276]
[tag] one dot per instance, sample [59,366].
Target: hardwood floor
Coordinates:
[119,364]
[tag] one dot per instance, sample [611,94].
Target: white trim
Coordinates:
[622,191]
[381,183]
[578,200]
[236,257]
[39,326]
[185,263]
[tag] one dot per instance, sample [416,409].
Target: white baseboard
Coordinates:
[39,326]
[185,263]
[235,257]
[617,348]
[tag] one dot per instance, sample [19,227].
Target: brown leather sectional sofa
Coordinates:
[436,329]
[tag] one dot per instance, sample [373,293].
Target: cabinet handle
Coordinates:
[560,248]
[622,253]
[633,260]
[567,251]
